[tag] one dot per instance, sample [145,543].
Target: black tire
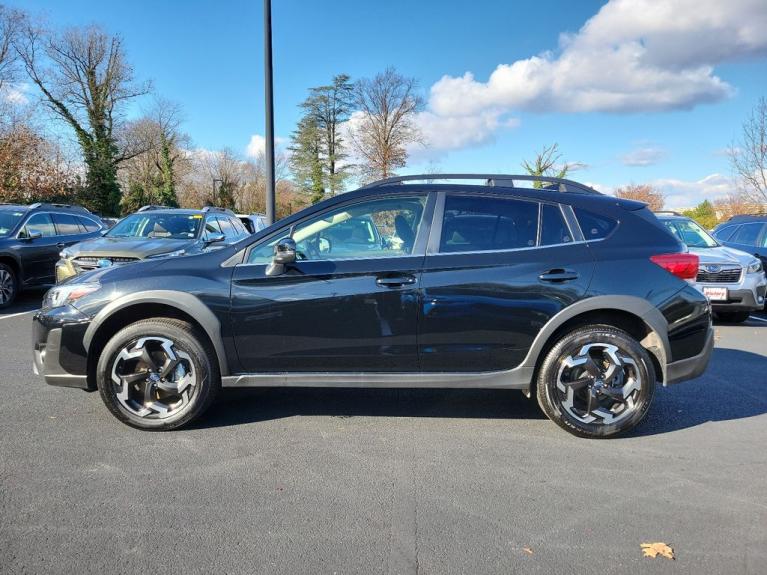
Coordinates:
[559,403]
[733,316]
[199,360]
[9,285]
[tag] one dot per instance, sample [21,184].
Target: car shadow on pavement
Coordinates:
[238,406]
[733,387]
[26,301]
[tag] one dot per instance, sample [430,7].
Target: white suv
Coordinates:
[732,280]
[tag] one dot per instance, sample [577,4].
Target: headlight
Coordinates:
[65,254]
[68,293]
[167,255]
[755,266]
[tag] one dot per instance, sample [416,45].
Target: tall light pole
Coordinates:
[269,150]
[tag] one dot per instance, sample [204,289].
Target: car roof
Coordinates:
[13,208]
[747,218]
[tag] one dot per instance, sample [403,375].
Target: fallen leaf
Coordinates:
[655,549]
[527,550]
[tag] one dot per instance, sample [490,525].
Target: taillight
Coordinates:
[683,266]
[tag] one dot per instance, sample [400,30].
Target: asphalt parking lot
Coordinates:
[384,481]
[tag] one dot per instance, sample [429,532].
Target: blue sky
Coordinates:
[637,93]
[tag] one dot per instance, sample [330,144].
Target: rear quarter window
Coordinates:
[594,226]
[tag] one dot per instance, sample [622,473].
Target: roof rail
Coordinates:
[669,213]
[37,205]
[500,180]
[152,207]
[217,209]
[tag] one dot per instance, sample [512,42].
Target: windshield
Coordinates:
[8,221]
[157,225]
[691,234]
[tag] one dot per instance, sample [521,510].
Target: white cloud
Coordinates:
[633,55]
[17,94]
[257,145]
[681,194]
[643,156]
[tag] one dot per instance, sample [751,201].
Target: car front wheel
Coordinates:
[158,374]
[596,382]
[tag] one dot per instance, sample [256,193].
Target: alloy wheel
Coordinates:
[153,378]
[7,287]
[599,384]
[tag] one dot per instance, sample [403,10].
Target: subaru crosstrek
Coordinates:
[578,298]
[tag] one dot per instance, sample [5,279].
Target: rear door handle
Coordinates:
[395,281]
[558,275]
[61,245]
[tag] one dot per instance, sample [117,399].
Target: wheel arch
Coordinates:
[145,305]
[637,316]
[14,263]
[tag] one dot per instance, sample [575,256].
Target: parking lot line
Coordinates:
[17,314]
[757,318]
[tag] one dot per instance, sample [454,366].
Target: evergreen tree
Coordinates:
[704,213]
[305,162]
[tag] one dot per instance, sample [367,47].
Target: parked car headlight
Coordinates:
[167,255]
[68,293]
[755,266]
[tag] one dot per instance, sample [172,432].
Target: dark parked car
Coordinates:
[745,233]
[578,298]
[31,238]
[153,232]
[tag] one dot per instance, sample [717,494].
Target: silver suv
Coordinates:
[732,280]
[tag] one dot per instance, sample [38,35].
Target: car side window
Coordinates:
[747,234]
[211,228]
[38,223]
[593,226]
[227,228]
[725,233]
[88,225]
[481,223]
[239,228]
[66,224]
[384,227]
[554,230]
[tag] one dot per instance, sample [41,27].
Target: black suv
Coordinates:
[153,232]
[578,298]
[745,233]
[31,238]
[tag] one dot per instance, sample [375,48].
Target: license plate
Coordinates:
[715,293]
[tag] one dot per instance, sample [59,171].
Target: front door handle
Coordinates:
[395,281]
[558,275]
[61,245]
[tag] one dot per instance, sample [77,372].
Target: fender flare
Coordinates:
[182,301]
[656,341]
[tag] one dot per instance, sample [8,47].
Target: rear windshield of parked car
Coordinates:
[157,225]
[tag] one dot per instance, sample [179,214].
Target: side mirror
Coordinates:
[215,238]
[32,236]
[284,254]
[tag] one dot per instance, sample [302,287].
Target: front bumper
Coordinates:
[748,295]
[57,347]
[691,367]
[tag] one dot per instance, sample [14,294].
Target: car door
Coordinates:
[39,254]
[69,229]
[497,269]
[343,306]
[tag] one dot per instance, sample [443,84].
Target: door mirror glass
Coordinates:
[284,254]
[33,235]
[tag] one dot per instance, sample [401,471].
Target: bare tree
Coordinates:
[10,25]
[734,204]
[748,156]
[86,81]
[384,124]
[646,193]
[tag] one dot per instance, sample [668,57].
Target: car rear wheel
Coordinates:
[8,286]
[596,382]
[158,374]
[733,316]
